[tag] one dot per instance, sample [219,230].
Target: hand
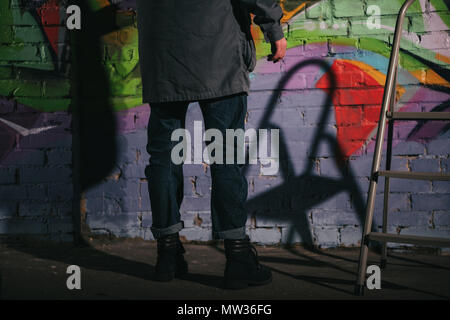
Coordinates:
[278,50]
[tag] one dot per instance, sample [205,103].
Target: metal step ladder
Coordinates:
[388,115]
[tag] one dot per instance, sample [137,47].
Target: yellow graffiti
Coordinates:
[376,75]
[429,77]
[442,58]
[288,14]
[98,4]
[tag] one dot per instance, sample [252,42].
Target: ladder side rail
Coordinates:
[391,108]
[389,86]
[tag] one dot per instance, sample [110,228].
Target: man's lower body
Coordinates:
[228,192]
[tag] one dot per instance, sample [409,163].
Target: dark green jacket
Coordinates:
[191,50]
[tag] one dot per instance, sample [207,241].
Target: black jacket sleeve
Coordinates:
[267,16]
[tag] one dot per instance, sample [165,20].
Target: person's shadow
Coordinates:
[94,147]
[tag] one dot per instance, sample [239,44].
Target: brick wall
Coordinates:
[35,158]
[326,111]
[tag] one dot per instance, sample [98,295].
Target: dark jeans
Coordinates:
[165,179]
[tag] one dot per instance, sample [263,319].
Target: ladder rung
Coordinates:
[418,115]
[399,238]
[416,175]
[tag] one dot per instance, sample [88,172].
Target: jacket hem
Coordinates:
[194,98]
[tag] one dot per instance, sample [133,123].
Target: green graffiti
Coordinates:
[31,73]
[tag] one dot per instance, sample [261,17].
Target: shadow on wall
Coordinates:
[95,152]
[300,193]
[94,125]
[95,148]
[94,128]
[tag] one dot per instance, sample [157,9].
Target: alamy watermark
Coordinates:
[374,280]
[248,142]
[374,20]
[74,280]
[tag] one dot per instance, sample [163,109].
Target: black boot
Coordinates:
[242,268]
[170,262]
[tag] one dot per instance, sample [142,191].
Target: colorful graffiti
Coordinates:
[46,77]
[309,25]
[361,65]
[37,69]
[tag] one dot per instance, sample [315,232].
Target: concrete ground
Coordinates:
[123,270]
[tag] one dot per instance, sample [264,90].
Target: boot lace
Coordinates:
[255,256]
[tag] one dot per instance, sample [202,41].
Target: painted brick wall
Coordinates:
[327,111]
[35,127]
